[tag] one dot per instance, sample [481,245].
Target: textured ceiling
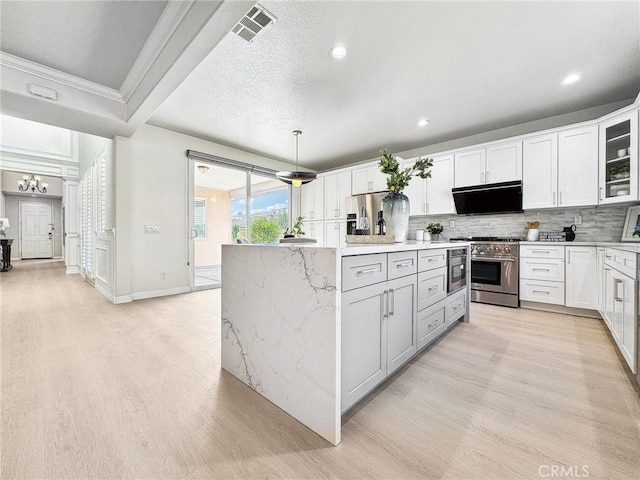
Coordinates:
[94,40]
[469,67]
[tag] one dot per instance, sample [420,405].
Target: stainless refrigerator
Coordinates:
[362,213]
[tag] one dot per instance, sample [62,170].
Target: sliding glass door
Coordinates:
[232,205]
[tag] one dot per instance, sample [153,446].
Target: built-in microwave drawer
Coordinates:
[401,264]
[551,269]
[362,270]
[432,287]
[542,251]
[430,259]
[622,261]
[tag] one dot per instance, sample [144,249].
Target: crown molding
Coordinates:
[53,75]
[169,21]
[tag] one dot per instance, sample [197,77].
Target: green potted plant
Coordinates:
[295,230]
[396,205]
[434,229]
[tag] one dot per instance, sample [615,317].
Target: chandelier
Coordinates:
[296,178]
[33,183]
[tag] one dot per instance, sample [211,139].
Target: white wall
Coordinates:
[12,209]
[151,184]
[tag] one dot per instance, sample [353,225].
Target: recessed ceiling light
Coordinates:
[423,122]
[573,78]
[339,51]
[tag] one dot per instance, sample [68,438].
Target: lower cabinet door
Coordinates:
[401,321]
[628,324]
[432,287]
[364,341]
[542,291]
[431,323]
[456,307]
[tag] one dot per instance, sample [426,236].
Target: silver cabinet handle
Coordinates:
[385,304]
[432,287]
[601,197]
[608,256]
[560,197]
[424,207]
[403,265]
[456,307]
[432,324]
[540,269]
[486,177]
[490,259]
[568,256]
[541,291]
[392,301]
[367,271]
[616,282]
[481,177]
[540,251]
[554,198]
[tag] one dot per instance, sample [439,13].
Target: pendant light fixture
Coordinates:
[296,178]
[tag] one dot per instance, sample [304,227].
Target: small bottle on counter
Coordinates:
[381,225]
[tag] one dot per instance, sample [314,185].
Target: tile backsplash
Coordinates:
[601,224]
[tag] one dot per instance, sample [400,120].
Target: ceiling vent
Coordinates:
[253,22]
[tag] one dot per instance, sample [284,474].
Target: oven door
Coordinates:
[498,275]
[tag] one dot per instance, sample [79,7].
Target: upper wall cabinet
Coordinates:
[432,196]
[337,187]
[619,159]
[540,172]
[312,200]
[494,164]
[368,179]
[578,167]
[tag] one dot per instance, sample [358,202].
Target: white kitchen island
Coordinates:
[315,329]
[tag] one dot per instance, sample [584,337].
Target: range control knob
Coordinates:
[506,249]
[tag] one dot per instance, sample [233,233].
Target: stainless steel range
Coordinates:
[494,270]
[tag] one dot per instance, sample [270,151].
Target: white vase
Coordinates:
[533,234]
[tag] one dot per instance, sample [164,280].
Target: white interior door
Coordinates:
[36,229]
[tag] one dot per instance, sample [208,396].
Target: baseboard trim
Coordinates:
[122,299]
[549,307]
[72,269]
[105,293]
[159,293]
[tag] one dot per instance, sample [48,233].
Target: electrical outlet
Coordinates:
[577,219]
[152,229]
[163,276]
[452,223]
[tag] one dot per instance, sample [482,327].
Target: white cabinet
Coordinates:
[416,192]
[433,195]
[438,189]
[314,230]
[337,187]
[494,164]
[600,279]
[619,159]
[312,200]
[335,233]
[581,267]
[620,299]
[540,172]
[368,179]
[578,167]
[542,274]
[431,323]
[469,167]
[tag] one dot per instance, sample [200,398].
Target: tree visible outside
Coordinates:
[264,230]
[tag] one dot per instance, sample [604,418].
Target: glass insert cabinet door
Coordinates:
[619,159]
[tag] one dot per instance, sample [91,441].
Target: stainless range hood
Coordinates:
[505,197]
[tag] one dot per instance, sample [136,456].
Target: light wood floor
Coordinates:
[95,390]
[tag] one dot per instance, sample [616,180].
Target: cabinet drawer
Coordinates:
[430,259]
[431,323]
[362,270]
[541,269]
[401,264]
[542,251]
[542,291]
[432,287]
[456,307]
[623,261]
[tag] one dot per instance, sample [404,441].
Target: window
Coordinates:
[200,217]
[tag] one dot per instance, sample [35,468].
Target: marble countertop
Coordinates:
[362,249]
